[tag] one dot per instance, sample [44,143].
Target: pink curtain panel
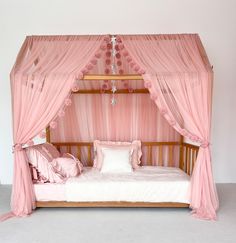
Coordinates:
[177,76]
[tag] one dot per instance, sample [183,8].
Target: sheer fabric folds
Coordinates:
[179,78]
[41,80]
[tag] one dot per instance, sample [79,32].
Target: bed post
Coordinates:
[181,165]
[48,134]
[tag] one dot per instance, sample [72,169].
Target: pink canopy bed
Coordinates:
[153,88]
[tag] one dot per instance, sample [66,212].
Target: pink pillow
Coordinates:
[67,167]
[41,162]
[51,151]
[135,145]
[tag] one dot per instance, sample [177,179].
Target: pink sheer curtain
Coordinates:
[41,81]
[179,78]
[135,116]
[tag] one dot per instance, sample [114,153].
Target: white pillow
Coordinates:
[116,160]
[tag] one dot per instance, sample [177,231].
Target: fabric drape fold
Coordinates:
[179,78]
[41,80]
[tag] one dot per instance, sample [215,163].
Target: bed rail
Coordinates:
[163,151]
[188,157]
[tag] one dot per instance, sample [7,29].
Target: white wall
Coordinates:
[214,20]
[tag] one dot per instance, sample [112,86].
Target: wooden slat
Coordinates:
[58,148]
[89,155]
[68,149]
[81,144]
[149,155]
[95,77]
[48,138]
[181,157]
[79,152]
[159,143]
[119,91]
[185,159]
[116,204]
[170,156]
[188,161]
[160,155]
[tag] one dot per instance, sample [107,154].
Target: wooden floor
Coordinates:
[64,204]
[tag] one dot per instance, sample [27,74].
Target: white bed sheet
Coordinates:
[147,184]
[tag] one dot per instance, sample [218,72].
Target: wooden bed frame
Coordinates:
[187,155]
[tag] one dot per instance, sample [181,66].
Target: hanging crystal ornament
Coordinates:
[113,69]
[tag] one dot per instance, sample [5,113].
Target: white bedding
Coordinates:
[147,184]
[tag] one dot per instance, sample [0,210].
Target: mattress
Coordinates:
[146,184]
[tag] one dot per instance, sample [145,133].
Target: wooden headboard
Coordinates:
[163,151]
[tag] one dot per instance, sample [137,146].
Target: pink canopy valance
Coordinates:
[175,69]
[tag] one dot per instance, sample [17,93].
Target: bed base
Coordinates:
[122,204]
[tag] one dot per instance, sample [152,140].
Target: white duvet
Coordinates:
[146,184]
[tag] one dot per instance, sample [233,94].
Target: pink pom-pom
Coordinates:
[121,46]
[108,61]
[107,71]
[117,47]
[132,64]
[61,113]
[125,53]
[75,88]
[153,96]
[103,47]
[89,66]
[94,61]
[98,55]
[119,63]
[118,39]
[128,59]
[53,125]
[121,71]
[42,135]
[84,70]
[118,56]
[141,71]
[30,143]
[109,46]
[108,54]
[147,85]
[80,75]
[136,68]
[68,102]
[107,38]
[104,86]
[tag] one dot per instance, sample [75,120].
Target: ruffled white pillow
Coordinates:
[116,160]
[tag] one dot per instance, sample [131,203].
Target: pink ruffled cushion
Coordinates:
[45,168]
[41,162]
[135,145]
[50,150]
[67,167]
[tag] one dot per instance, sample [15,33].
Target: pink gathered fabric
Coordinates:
[94,117]
[41,81]
[179,78]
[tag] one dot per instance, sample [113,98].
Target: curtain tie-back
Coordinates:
[205,144]
[16,147]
